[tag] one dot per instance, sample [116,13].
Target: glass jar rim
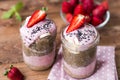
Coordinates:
[64,41]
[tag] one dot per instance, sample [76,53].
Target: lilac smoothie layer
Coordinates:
[81,71]
[83,36]
[39,30]
[40,61]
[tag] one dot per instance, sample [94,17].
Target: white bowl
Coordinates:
[107,18]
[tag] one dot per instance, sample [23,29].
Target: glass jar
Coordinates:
[79,61]
[38,44]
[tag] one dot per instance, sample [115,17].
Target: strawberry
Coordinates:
[74,2]
[67,7]
[78,9]
[99,11]
[96,21]
[14,74]
[37,16]
[77,22]
[87,18]
[88,6]
[105,4]
[81,1]
[69,17]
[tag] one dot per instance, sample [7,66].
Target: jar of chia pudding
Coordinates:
[79,50]
[38,43]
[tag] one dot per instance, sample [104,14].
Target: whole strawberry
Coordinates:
[69,17]
[74,2]
[100,10]
[96,21]
[14,74]
[67,7]
[88,6]
[78,9]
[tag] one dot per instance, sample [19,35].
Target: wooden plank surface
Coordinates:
[10,43]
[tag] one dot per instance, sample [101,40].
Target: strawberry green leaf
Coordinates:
[18,6]
[6,72]
[13,10]
[8,14]
[18,17]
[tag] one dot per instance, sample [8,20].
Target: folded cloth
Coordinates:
[105,67]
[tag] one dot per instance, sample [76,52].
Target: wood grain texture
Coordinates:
[10,43]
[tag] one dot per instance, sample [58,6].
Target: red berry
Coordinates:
[77,22]
[74,2]
[67,7]
[81,1]
[105,4]
[14,74]
[88,6]
[69,17]
[37,16]
[78,9]
[87,18]
[99,11]
[96,21]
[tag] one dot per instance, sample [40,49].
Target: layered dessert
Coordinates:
[79,41]
[38,35]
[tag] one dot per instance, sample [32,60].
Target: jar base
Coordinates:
[81,72]
[39,68]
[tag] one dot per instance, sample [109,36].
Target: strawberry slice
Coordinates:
[37,16]
[77,22]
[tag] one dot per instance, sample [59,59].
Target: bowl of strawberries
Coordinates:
[96,13]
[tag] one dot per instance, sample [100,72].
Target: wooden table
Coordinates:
[10,44]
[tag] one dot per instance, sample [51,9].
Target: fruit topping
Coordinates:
[77,22]
[37,16]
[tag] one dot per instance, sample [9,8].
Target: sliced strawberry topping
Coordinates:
[37,16]
[77,22]
[69,17]
[78,9]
